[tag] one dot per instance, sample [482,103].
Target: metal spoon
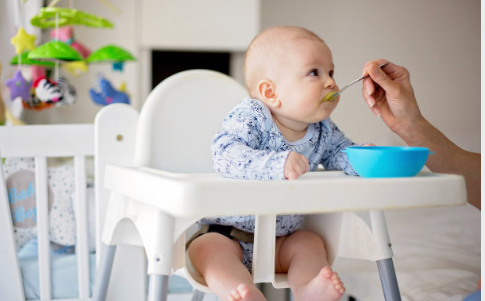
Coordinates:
[333,95]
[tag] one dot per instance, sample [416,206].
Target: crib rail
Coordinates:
[41,142]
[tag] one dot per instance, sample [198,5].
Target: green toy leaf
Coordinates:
[67,16]
[24,60]
[55,51]
[110,53]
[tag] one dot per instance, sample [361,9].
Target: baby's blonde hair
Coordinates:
[267,48]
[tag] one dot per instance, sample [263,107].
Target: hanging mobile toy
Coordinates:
[63,49]
[59,91]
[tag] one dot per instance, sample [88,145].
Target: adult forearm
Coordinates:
[447,157]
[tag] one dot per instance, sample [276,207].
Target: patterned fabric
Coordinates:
[247,254]
[20,179]
[250,146]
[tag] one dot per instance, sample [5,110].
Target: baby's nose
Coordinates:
[330,83]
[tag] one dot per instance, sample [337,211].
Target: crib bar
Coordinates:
[10,282]
[43,227]
[49,140]
[81,226]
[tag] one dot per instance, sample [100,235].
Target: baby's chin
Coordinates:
[325,110]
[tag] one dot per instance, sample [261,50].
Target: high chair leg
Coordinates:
[158,287]
[388,280]
[198,295]
[104,272]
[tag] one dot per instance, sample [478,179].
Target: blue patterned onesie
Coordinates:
[250,146]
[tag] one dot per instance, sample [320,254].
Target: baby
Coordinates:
[280,132]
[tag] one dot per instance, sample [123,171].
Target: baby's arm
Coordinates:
[234,158]
[240,149]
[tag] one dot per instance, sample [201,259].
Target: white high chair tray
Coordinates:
[210,194]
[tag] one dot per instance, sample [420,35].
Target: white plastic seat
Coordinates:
[168,183]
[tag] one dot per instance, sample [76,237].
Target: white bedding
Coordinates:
[437,256]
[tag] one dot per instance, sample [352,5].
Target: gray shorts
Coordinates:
[247,257]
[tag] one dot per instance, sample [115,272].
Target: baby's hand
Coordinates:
[295,166]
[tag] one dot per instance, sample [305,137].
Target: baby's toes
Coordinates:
[327,272]
[337,283]
[234,296]
[243,291]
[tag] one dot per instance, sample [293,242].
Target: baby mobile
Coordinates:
[43,92]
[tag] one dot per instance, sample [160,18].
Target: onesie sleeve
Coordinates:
[333,157]
[238,151]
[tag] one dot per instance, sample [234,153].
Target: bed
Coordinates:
[437,255]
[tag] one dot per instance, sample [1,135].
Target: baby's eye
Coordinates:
[314,72]
[331,73]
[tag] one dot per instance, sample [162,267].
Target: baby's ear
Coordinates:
[267,93]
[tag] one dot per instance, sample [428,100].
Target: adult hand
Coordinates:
[295,166]
[388,92]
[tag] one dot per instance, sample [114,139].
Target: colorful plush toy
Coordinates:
[23,41]
[18,86]
[105,94]
[59,93]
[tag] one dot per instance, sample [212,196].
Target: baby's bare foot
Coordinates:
[244,293]
[325,286]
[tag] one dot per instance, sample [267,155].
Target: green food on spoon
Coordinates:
[330,96]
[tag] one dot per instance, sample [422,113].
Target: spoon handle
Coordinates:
[359,79]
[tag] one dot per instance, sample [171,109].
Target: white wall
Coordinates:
[438,41]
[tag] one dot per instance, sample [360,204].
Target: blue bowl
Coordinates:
[387,161]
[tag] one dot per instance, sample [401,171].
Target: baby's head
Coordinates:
[290,69]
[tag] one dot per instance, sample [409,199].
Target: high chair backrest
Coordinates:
[191,105]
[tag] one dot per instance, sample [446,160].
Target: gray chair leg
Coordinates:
[198,296]
[388,280]
[158,288]
[104,272]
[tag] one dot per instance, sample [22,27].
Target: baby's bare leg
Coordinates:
[218,259]
[302,255]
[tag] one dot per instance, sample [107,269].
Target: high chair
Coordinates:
[168,183]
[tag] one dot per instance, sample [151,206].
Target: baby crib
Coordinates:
[65,271]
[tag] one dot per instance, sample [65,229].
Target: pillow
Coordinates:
[20,180]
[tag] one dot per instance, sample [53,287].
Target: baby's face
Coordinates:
[305,77]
